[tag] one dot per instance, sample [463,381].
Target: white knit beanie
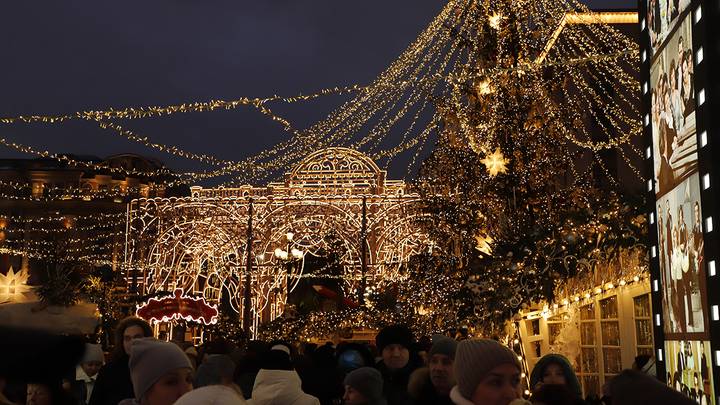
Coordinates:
[475,358]
[211,395]
[93,352]
[151,359]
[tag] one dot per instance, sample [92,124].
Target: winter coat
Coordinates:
[280,387]
[571,379]
[211,395]
[422,391]
[395,383]
[4,400]
[113,383]
[80,386]
[635,388]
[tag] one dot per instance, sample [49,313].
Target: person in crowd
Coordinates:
[249,365]
[319,374]
[396,345]
[211,395]
[431,385]
[351,356]
[3,399]
[217,369]
[86,373]
[364,386]
[278,383]
[632,387]
[645,363]
[192,354]
[463,333]
[39,394]
[487,373]
[160,371]
[423,347]
[47,393]
[113,383]
[555,369]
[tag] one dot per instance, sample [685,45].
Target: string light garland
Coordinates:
[158,111]
[431,65]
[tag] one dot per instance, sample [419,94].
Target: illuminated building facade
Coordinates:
[52,211]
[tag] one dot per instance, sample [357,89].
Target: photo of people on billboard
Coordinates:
[673,111]
[682,267]
[689,370]
[662,16]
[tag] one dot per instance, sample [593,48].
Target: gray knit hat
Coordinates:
[93,352]
[367,381]
[474,358]
[150,359]
[443,345]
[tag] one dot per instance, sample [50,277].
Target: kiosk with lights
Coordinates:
[677,56]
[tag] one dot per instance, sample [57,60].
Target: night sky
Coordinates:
[64,56]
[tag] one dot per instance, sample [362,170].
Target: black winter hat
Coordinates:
[395,334]
[369,382]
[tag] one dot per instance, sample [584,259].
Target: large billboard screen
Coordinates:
[680,250]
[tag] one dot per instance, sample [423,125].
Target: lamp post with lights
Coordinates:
[290,257]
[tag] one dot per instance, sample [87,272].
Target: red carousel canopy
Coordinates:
[178,307]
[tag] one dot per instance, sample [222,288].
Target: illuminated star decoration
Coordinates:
[484,87]
[13,286]
[495,163]
[483,244]
[495,20]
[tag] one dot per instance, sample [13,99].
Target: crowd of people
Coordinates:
[396,370]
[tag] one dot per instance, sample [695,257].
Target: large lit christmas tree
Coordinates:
[509,183]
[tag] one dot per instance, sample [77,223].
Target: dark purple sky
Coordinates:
[65,56]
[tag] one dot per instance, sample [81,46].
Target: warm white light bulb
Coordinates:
[298,254]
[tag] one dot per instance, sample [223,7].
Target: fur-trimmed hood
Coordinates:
[571,379]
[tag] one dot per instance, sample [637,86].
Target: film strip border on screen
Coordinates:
[706,59]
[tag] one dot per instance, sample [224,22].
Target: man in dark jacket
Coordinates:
[113,383]
[396,344]
[431,385]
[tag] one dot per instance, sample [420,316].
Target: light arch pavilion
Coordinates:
[200,243]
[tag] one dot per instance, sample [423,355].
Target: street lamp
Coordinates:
[286,254]
[290,256]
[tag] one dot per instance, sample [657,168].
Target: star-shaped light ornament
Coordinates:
[483,244]
[495,20]
[14,287]
[484,87]
[495,163]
